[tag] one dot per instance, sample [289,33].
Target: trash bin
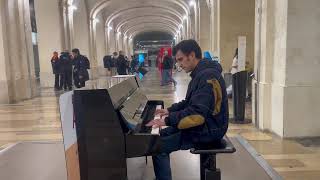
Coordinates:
[239,85]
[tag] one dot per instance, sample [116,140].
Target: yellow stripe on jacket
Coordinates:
[191,121]
[216,88]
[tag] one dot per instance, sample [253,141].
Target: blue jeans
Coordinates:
[167,77]
[171,141]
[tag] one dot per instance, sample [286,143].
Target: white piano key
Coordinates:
[155,130]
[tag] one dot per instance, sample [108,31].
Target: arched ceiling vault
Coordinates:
[132,17]
[132,10]
[142,30]
[149,23]
[98,6]
[140,18]
[142,26]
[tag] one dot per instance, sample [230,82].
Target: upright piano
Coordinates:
[110,128]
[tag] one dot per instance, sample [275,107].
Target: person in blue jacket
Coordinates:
[207,55]
[202,117]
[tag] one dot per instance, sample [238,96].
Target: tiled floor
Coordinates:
[39,119]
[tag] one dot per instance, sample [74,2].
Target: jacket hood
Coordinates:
[206,64]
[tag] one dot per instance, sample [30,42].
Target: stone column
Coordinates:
[18,53]
[4,64]
[204,26]
[216,28]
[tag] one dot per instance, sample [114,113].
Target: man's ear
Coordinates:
[192,55]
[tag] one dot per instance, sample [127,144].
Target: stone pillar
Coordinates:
[19,82]
[4,64]
[264,59]
[216,27]
[131,46]
[112,39]
[204,27]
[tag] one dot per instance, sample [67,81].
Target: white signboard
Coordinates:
[242,46]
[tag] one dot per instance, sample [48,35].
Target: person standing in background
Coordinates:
[66,63]
[167,70]
[234,68]
[81,66]
[121,64]
[113,64]
[55,63]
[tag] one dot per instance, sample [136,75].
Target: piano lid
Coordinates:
[120,92]
[130,100]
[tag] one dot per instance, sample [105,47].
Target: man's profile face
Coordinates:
[186,62]
[74,54]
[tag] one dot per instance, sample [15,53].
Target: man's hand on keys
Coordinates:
[156,123]
[162,112]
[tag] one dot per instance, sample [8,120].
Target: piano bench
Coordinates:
[208,152]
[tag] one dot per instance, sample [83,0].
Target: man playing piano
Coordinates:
[201,118]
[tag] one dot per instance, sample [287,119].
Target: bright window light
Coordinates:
[96,20]
[184,17]
[192,3]
[73,7]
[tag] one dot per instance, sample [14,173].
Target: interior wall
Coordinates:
[302,84]
[236,19]
[49,37]
[81,28]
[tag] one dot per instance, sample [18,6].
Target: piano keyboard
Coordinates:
[156,130]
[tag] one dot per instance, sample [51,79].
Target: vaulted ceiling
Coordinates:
[131,17]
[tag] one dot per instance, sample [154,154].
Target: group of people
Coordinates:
[70,66]
[119,64]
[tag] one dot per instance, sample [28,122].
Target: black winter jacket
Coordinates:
[203,115]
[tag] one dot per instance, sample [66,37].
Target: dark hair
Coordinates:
[236,53]
[115,53]
[187,47]
[77,51]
